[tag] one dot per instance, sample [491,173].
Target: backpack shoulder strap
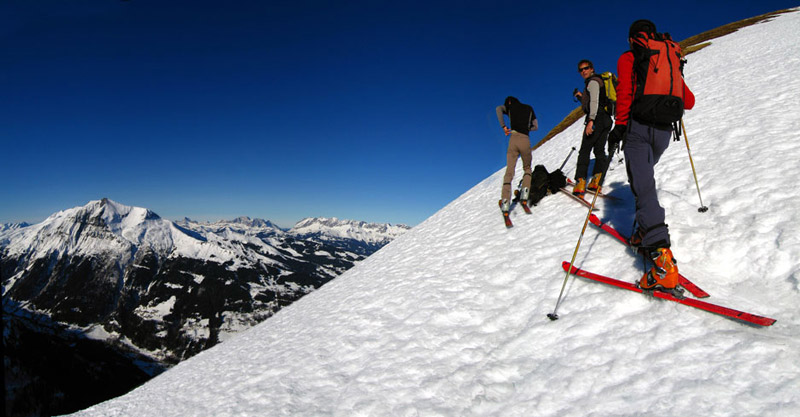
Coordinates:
[594,76]
[601,84]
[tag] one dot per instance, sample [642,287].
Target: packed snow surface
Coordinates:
[450,318]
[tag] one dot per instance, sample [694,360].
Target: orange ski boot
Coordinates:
[594,184]
[580,188]
[663,275]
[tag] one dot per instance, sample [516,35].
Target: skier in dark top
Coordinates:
[522,120]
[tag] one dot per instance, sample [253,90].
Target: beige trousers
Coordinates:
[518,145]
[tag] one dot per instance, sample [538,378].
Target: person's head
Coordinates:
[585,68]
[641,25]
[511,100]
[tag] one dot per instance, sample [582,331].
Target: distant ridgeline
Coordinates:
[100,298]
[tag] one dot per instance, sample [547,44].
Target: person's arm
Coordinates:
[624,88]
[624,101]
[501,110]
[534,125]
[594,103]
[688,97]
[594,97]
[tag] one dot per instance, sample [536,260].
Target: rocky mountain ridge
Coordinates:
[158,289]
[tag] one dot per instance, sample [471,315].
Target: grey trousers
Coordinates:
[644,146]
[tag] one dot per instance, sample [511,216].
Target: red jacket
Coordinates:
[626,86]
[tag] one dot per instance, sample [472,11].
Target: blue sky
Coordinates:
[367,110]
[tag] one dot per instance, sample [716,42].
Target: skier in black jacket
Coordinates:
[522,120]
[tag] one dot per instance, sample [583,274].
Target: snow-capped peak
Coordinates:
[348,229]
[241,225]
[247,221]
[13,226]
[100,226]
[126,221]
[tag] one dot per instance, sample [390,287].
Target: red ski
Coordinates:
[702,305]
[525,207]
[683,281]
[522,202]
[575,197]
[506,217]
[507,220]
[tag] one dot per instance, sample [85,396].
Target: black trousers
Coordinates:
[595,142]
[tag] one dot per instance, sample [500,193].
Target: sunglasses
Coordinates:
[584,69]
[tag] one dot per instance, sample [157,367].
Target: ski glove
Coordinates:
[617,136]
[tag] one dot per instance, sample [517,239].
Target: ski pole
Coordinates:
[554,314]
[567,159]
[702,208]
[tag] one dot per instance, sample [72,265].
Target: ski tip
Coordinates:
[552,316]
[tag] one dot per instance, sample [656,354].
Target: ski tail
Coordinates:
[682,280]
[506,215]
[575,197]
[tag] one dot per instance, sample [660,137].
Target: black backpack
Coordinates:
[543,183]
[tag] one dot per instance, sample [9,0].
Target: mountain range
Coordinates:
[157,291]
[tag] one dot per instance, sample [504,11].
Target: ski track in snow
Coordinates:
[450,318]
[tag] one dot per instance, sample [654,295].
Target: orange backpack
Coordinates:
[658,71]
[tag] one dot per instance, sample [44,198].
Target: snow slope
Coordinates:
[450,318]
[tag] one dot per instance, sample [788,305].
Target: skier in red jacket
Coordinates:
[639,126]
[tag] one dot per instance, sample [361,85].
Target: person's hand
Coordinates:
[506,130]
[617,136]
[589,128]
